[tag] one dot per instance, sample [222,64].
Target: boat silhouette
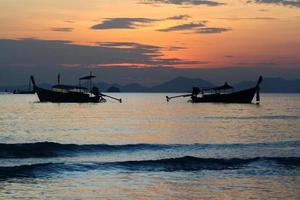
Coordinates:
[223,94]
[71,94]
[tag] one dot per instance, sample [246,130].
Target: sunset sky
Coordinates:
[150,33]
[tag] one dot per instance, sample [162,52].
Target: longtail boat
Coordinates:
[71,94]
[223,94]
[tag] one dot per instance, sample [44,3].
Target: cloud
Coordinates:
[149,50]
[178,17]
[199,28]
[61,29]
[263,10]
[69,21]
[183,27]
[291,3]
[183,2]
[211,30]
[28,52]
[123,23]
[175,48]
[132,23]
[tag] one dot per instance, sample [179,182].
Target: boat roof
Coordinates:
[87,77]
[68,87]
[226,86]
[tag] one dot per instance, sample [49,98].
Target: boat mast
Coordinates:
[258,89]
[90,82]
[29,85]
[58,79]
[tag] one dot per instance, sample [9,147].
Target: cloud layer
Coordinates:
[27,52]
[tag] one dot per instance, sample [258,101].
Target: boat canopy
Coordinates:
[68,87]
[226,86]
[87,77]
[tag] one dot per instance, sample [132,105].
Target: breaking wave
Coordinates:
[51,149]
[187,163]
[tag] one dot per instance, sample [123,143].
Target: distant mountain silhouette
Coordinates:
[103,86]
[183,84]
[113,89]
[134,87]
[180,84]
[22,87]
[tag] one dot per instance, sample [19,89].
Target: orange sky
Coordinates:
[250,33]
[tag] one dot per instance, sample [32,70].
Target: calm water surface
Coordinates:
[146,148]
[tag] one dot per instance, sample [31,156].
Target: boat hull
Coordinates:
[244,96]
[69,97]
[24,92]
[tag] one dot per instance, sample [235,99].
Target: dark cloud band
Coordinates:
[132,23]
[211,30]
[184,2]
[199,28]
[123,23]
[61,29]
[28,52]
[183,27]
[291,3]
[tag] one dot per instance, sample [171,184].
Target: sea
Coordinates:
[148,148]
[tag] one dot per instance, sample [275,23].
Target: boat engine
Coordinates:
[95,91]
[196,91]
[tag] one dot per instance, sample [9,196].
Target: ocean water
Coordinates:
[146,148]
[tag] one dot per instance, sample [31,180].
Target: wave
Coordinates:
[51,149]
[186,163]
[264,117]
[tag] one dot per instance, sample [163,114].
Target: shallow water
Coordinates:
[146,148]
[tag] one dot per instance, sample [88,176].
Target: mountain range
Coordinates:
[183,84]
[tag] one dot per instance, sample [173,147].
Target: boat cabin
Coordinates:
[75,89]
[69,88]
[224,89]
